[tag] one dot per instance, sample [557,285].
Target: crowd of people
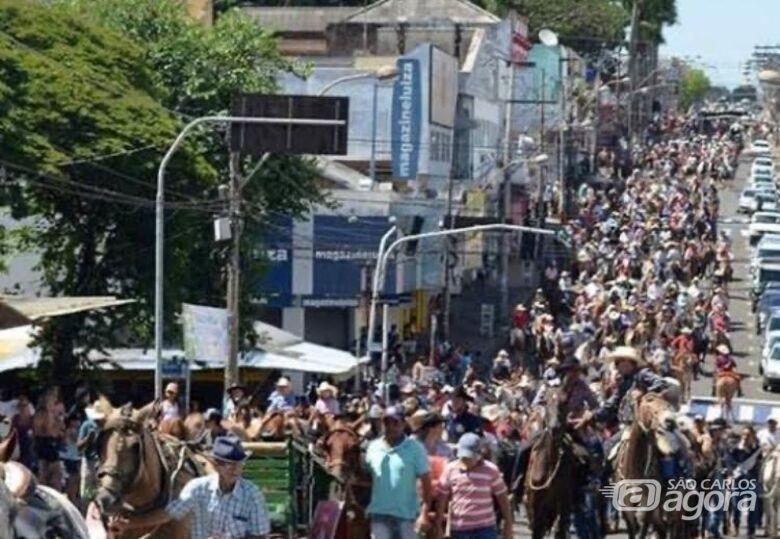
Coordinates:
[644,297]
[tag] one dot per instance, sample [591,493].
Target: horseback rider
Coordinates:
[725,366]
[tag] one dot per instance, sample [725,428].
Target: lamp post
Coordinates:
[159,249]
[382,262]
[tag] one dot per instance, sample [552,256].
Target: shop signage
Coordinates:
[406,119]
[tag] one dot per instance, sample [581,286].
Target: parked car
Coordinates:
[767,350]
[756,231]
[764,200]
[767,305]
[760,147]
[765,217]
[765,274]
[762,163]
[770,369]
[746,199]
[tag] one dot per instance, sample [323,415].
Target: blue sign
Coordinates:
[407,119]
[343,254]
[276,249]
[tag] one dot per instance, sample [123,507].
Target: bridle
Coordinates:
[344,430]
[128,481]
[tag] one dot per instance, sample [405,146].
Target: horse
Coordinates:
[551,466]
[770,480]
[141,471]
[32,511]
[8,446]
[726,386]
[638,458]
[683,366]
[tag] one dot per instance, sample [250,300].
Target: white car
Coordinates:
[770,369]
[765,217]
[767,198]
[760,147]
[746,199]
[762,162]
[762,182]
[767,350]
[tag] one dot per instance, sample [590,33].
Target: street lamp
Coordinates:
[382,262]
[159,247]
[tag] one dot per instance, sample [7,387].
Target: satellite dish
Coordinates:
[548,37]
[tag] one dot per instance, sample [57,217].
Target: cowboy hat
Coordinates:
[502,353]
[524,382]
[493,412]
[723,349]
[283,382]
[686,330]
[235,386]
[325,386]
[229,449]
[172,387]
[628,353]
[462,393]
[422,419]
[570,363]
[520,307]
[95,412]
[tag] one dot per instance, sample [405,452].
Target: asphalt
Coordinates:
[747,345]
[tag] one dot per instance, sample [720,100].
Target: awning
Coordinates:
[749,411]
[37,308]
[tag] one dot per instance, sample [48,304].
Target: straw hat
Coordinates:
[627,353]
[493,412]
[283,382]
[325,386]
[422,419]
[722,349]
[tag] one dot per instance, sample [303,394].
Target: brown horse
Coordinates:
[8,446]
[726,386]
[682,370]
[639,457]
[551,466]
[141,471]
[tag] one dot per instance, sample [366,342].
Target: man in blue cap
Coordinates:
[223,504]
[396,464]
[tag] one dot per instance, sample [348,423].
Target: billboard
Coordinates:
[406,119]
[443,96]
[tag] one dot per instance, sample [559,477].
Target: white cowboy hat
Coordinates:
[628,353]
[325,386]
[95,412]
[723,349]
[503,353]
[493,412]
[525,382]
[283,382]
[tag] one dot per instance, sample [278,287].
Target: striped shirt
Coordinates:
[217,515]
[471,493]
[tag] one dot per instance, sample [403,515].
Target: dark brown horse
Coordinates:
[551,466]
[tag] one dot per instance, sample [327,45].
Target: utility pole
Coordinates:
[506,205]
[542,145]
[234,270]
[632,71]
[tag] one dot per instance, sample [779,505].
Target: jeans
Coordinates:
[481,533]
[714,523]
[385,527]
[752,516]
[585,521]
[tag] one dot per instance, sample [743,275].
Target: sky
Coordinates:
[723,33]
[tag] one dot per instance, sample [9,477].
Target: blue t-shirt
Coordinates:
[394,471]
[86,427]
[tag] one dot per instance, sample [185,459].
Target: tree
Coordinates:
[654,16]
[584,25]
[693,87]
[85,115]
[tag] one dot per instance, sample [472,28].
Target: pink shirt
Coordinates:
[327,406]
[471,494]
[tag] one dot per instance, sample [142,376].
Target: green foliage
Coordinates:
[82,79]
[654,15]
[584,25]
[693,87]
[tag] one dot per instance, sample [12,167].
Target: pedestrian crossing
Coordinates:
[746,411]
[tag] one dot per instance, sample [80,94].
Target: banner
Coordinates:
[205,333]
[406,119]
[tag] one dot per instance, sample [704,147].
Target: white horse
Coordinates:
[770,480]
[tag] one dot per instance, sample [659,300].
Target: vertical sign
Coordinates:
[406,121]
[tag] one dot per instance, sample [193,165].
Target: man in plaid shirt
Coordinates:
[222,505]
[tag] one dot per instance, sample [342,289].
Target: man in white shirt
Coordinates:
[769,437]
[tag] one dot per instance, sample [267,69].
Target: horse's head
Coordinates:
[121,449]
[274,428]
[342,450]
